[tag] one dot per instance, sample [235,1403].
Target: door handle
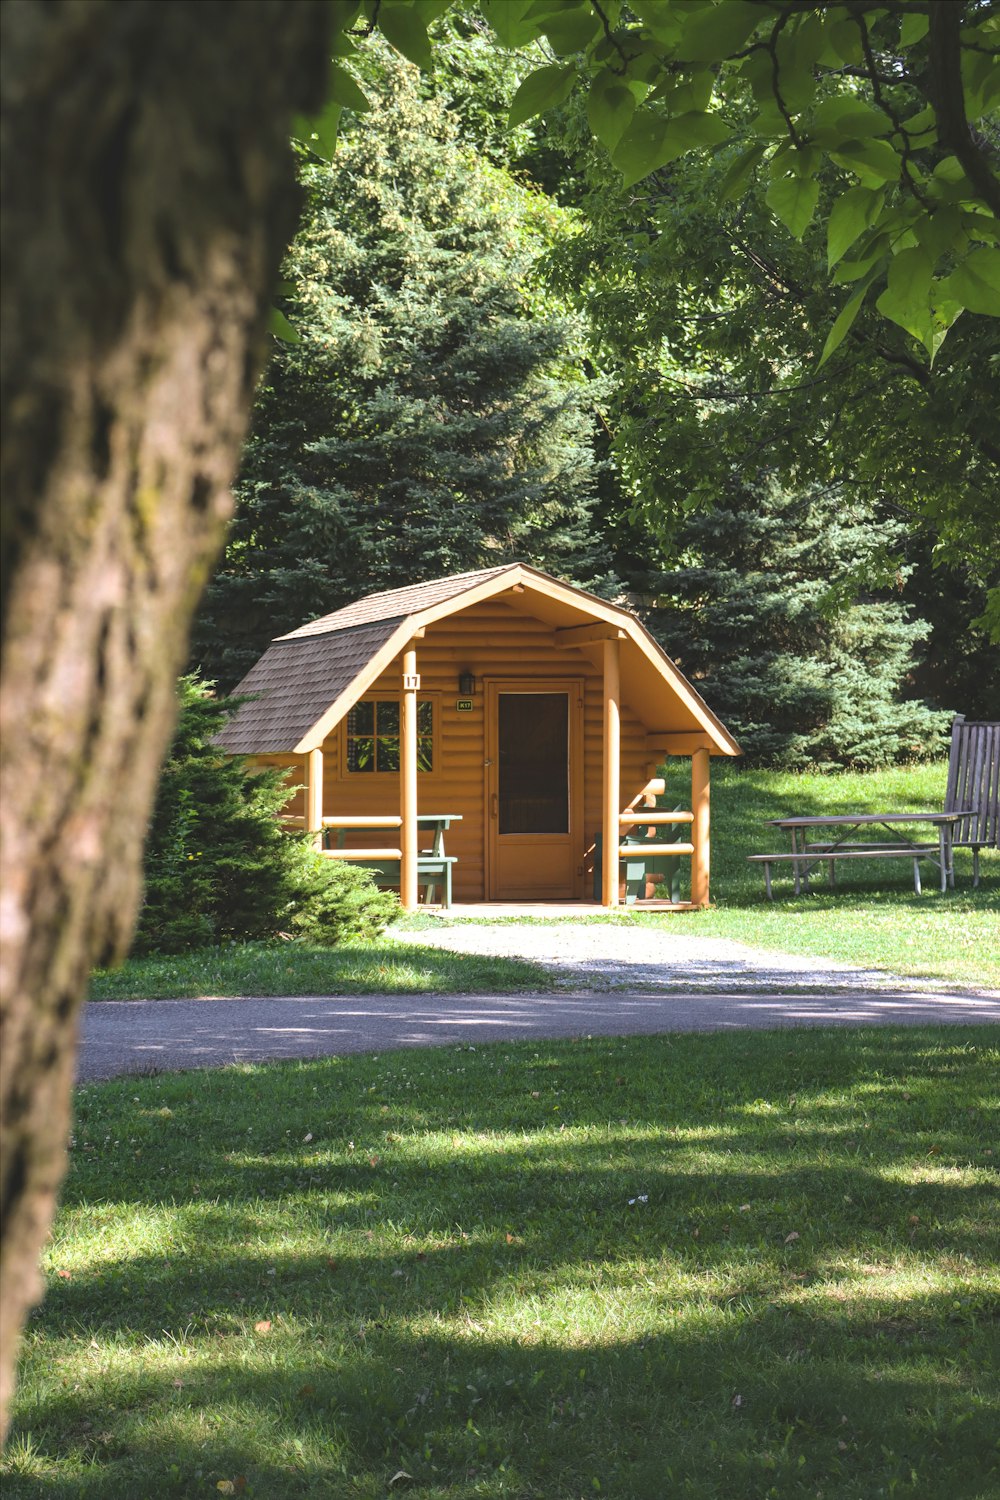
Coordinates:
[493,805]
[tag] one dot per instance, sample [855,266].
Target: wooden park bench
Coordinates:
[434,867]
[970,819]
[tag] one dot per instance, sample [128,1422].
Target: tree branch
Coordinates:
[948,100]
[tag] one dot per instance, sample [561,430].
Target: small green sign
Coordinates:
[463,705]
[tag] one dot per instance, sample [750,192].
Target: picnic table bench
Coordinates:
[434,867]
[805,856]
[970,819]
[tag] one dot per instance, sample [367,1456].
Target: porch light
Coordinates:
[466,684]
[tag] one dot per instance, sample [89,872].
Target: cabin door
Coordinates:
[533,790]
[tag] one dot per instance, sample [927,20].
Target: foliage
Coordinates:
[705,316]
[874,122]
[897,98]
[697,1266]
[763,614]
[432,417]
[218,866]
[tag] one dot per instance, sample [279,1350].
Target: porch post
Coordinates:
[700,835]
[314,796]
[408,781]
[610,824]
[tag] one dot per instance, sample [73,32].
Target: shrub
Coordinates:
[219,867]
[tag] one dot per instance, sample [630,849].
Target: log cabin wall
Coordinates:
[490,640]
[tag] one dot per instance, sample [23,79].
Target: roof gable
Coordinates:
[396,604]
[307,680]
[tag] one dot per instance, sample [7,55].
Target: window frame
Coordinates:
[381,778]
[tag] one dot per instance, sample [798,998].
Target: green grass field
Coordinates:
[709,1267]
[872,919]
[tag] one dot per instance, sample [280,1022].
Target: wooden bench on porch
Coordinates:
[434,866]
[650,848]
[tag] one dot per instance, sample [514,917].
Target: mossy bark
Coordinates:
[149,192]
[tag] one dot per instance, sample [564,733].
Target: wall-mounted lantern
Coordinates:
[466,684]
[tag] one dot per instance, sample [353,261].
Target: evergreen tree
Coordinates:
[432,417]
[763,615]
[219,867]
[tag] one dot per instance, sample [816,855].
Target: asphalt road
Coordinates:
[138,1036]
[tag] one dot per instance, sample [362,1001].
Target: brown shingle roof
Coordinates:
[395,604]
[297,680]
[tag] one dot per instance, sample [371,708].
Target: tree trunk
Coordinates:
[149,192]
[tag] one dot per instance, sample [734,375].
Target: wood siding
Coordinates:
[490,640]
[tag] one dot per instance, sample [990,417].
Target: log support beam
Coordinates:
[700,828]
[408,781]
[314,796]
[610,829]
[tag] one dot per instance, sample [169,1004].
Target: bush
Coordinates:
[342,903]
[219,867]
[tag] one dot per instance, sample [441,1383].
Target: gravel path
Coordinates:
[682,984]
[602,956]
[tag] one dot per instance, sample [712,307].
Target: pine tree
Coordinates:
[434,416]
[768,616]
[218,866]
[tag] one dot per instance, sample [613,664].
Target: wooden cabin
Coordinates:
[533,712]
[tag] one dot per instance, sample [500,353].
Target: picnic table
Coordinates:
[808,851]
[434,867]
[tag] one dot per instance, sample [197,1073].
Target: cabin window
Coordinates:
[373,728]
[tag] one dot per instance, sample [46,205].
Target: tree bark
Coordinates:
[148,194]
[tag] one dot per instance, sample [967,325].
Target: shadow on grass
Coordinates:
[452,1286]
[755,1398]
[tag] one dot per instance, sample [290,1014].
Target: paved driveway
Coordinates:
[134,1036]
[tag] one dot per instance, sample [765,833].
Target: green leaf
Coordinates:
[541,90]
[941,230]
[319,132]
[403,28]
[844,39]
[873,161]
[643,147]
[844,320]
[975,282]
[572,28]
[507,19]
[792,197]
[661,20]
[717,32]
[850,118]
[698,128]
[853,213]
[610,107]
[912,29]
[906,299]
[282,329]
[740,171]
[652,140]
[345,91]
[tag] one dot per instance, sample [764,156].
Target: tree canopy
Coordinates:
[898,98]
[856,146]
[432,415]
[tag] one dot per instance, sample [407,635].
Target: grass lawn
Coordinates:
[872,919]
[753,1265]
[295,969]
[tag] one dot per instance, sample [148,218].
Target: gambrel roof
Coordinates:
[307,681]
